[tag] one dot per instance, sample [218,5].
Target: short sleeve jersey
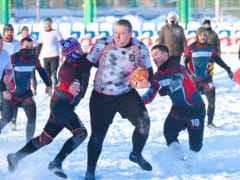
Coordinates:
[115,64]
[50,41]
[11,47]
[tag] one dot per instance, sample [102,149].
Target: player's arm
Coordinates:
[222,64]
[151,93]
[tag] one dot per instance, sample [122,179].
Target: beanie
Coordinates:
[69,45]
[8,27]
[48,19]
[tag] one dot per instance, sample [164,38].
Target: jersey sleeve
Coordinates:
[95,52]
[59,36]
[8,60]
[40,39]
[144,59]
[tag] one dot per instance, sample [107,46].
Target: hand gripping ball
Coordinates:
[138,76]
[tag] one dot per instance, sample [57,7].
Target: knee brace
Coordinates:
[79,135]
[42,140]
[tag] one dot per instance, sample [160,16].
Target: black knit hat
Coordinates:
[207,21]
[8,27]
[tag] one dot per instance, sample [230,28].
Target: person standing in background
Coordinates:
[48,46]
[213,40]
[12,46]
[172,35]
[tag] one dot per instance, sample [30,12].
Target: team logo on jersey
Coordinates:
[131,57]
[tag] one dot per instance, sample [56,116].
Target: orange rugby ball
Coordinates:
[137,77]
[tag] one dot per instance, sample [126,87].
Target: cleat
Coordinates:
[140,161]
[89,175]
[57,169]
[12,162]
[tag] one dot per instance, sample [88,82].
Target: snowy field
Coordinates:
[219,158]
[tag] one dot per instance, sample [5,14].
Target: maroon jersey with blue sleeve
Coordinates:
[182,90]
[69,73]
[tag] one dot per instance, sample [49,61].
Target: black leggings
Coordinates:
[51,66]
[28,105]
[62,116]
[102,111]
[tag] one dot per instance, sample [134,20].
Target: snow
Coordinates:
[218,159]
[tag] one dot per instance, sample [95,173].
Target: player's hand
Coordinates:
[7,95]
[143,84]
[48,91]
[230,74]
[6,79]
[74,88]
[164,91]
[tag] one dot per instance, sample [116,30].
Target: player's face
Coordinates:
[26,45]
[202,37]
[48,26]
[8,35]
[206,26]
[79,50]
[1,45]
[121,35]
[24,33]
[159,57]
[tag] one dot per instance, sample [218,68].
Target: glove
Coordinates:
[230,74]
[164,91]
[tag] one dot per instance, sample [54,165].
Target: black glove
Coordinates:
[164,91]
[230,74]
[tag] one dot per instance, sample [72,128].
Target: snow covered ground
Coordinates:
[218,159]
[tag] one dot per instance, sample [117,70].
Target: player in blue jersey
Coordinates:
[188,109]
[18,93]
[197,57]
[71,87]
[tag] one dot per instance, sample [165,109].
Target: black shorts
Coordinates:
[130,105]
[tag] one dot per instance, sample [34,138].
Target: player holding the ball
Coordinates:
[116,58]
[188,109]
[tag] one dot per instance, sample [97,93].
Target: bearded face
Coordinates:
[8,35]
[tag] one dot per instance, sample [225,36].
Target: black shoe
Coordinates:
[140,161]
[57,169]
[89,175]
[12,162]
[211,125]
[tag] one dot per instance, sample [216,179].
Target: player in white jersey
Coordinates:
[116,57]
[12,46]
[24,34]
[5,64]
[48,45]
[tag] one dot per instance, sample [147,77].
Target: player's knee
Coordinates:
[79,135]
[143,126]
[42,140]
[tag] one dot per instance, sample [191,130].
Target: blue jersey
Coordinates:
[22,73]
[182,90]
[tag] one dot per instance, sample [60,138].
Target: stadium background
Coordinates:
[147,17]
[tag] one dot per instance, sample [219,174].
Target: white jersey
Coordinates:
[115,64]
[11,47]
[5,62]
[50,43]
[35,43]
